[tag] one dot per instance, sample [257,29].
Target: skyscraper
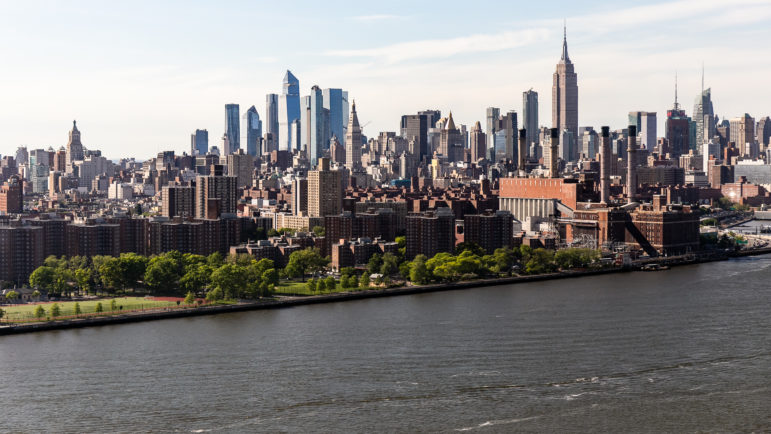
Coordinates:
[743,135]
[288,112]
[199,142]
[215,194]
[564,100]
[318,125]
[336,101]
[271,114]
[451,141]
[478,143]
[677,129]
[74,147]
[253,131]
[530,115]
[232,128]
[415,128]
[353,141]
[646,125]
[703,116]
[491,116]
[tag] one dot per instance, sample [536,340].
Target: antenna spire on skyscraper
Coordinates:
[677,106]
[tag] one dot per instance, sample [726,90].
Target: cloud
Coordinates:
[377,17]
[442,48]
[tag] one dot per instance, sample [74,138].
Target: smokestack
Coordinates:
[522,150]
[631,164]
[553,152]
[605,165]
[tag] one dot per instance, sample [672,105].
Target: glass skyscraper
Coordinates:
[530,115]
[318,125]
[199,142]
[232,128]
[288,111]
[271,115]
[253,131]
[336,101]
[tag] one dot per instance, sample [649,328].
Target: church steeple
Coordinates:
[565,58]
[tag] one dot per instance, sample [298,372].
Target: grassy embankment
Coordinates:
[26,312]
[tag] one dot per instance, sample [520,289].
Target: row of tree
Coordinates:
[170,273]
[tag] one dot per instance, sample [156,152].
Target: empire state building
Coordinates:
[564,100]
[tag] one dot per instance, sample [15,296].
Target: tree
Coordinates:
[113,305]
[231,279]
[84,278]
[36,294]
[321,285]
[270,276]
[311,285]
[62,279]
[196,277]
[214,295]
[347,271]
[110,274]
[390,264]
[42,277]
[419,273]
[77,309]
[2,313]
[364,280]
[55,310]
[374,264]
[305,261]
[132,268]
[319,231]
[40,312]
[215,260]
[99,308]
[540,262]
[189,298]
[11,295]
[161,275]
[469,246]
[344,282]
[330,283]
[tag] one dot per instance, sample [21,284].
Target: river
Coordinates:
[683,350]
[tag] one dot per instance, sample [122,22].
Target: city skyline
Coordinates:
[156,92]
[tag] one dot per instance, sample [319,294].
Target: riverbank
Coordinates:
[288,301]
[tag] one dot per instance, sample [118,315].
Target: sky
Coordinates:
[141,76]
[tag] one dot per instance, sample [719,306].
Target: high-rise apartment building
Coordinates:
[199,142]
[21,251]
[215,194]
[11,196]
[530,115]
[564,101]
[253,126]
[491,230]
[353,142]
[300,196]
[232,128]
[430,233]
[325,192]
[178,201]
[288,113]
[241,165]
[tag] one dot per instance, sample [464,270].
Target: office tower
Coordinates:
[22,156]
[432,117]
[530,115]
[478,143]
[677,128]
[316,125]
[232,128]
[491,116]
[552,162]
[60,160]
[743,134]
[507,124]
[253,131]
[241,165]
[490,231]
[430,233]
[11,196]
[288,113]
[199,142]
[564,100]
[38,170]
[645,122]
[300,196]
[451,141]
[353,141]
[325,192]
[703,116]
[74,146]
[631,164]
[522,150]
[271,114]
[336,101]
[710,150]
[215,195]
[764,132]
[415,127]
[605,162]
[177,201]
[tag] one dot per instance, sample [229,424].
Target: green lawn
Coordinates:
[25,312]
